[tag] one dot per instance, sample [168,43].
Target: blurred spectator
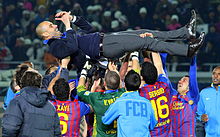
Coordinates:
[97,27]
[12,25]
[117,14]
[174,23]
[97,12]
[184,11]
[209,54]
[66,5]
[106,21]
[77,10]
[144,21]
[131,10]
[5,54]
[115,26]
[26,19]
[17,32]
[42,14]
[124,23]
[218,12]
[30,29]
[211,19]
[213,36]
[20,50]
[36,51]
[157,23]
[2,18]
[163,7]
[90,13]
[27,5]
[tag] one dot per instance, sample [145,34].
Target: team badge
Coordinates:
[87,93]
[191,102]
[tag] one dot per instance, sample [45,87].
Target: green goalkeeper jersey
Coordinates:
[100,102]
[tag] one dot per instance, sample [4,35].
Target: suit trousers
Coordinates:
[115,45]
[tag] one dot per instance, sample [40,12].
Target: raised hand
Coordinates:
[204,118]
[112,66]
[72,85]
[60,14]
[143,35]
[65,18]
[65,62]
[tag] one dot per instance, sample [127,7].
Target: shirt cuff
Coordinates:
[68,29]
[74,19]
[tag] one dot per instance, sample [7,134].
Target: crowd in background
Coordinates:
[18,42]
[18,20]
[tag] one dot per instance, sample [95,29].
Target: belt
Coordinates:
[101,44]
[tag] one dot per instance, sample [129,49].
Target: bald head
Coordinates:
[42,27]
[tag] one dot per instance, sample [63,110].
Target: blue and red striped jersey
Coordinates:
[70,113]
[183,115]
[183,107]
[159,96]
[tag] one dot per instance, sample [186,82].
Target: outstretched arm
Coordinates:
[163,57]
[81,88]
[193,84]
[135,61]
[158,63]
[111,114]
[124,67]
[162,76]
[64,73]
[64,63]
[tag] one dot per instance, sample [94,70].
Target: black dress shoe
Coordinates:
[191,26]
[195,45]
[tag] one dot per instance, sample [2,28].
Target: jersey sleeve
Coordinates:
[83,94]
[111,114]
[153,120]
[163,57]
[193,84]
[85,109]
[163,78]
[201,107]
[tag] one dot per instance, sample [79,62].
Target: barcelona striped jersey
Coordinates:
[159,96]
[70,113]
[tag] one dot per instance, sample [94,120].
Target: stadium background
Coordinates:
[18,19]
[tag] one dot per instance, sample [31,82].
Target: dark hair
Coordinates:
[132,81]
[32,79]
[149,73]
[61,89]
[19,73]
[13,84]
[28,63]
[112,80]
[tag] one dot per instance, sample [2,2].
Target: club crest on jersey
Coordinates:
[86,93]
[190,102]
